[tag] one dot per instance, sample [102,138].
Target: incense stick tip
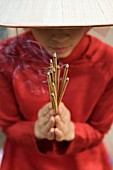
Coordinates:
[54,70]
[54,55]
[67,66]
[51,61]
[67,79]
[52,94]
[58,67]
[53,84]
[48,73]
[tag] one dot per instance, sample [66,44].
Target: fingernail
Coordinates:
[52,119]
[56,129]
[52,130]
[57,117]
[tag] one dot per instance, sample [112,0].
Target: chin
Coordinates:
[61,56]
[64,55]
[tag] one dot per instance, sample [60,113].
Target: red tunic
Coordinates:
[24,90]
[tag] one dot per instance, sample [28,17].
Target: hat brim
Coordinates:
[56,13]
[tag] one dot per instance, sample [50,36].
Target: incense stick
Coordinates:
[55,67]
[53,77]
[64,78]
[51,65]
[55,60]
[54,103]
[50,87]
[58,77]
[49,81]
[63,90]
[54,91]
[54,84]
[51,69]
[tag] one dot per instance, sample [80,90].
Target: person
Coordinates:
[36,138]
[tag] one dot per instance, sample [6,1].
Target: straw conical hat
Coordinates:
[40,13]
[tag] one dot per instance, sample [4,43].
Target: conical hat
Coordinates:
[53,13]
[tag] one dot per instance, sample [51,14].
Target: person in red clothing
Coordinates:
[36,138]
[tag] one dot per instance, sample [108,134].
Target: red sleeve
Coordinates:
[12,123]
[90,134]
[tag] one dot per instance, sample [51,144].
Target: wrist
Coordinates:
[36,131]
[71,133]
[73,130]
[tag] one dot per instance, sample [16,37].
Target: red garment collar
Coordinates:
[79,50]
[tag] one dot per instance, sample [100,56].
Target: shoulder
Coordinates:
[10,51]
[100,55]
[98,46]
[11,48]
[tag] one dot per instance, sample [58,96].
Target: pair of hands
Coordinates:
[54,127]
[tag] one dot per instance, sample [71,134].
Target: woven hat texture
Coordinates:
[53,13]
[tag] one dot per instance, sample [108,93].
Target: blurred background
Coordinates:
[103,33]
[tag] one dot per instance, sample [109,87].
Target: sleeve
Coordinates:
[18,130]
[90,134]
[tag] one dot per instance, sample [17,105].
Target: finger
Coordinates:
[49,115]
[44,120]
[50,124]
[60,109]
[58,135]
[44,110]
[51,134]
[64,113]
[59,124]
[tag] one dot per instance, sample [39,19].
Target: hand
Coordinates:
[65,129]
[44,126]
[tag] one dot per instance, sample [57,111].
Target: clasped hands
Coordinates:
[54,127]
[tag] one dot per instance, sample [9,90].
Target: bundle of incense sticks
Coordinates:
[53,76]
